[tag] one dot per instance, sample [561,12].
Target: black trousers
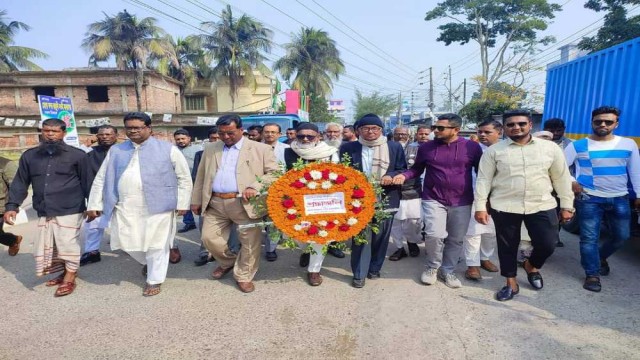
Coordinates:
[6,238]
[543,230]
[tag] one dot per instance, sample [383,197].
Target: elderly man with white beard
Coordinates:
[333,135]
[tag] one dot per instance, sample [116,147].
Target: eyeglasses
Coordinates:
[520,124]
[134,128]
[371,129]
[441,128]
[606,122]
[305,137]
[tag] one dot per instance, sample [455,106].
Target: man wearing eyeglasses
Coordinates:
[605,163]
[231,172]
[382,160]
[447,195]
[401,135]
[141,186]
[270,134]
[516,176]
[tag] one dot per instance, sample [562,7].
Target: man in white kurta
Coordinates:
[146,236]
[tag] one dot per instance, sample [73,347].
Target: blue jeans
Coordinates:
[591,211]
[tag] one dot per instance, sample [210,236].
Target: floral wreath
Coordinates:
[286,203]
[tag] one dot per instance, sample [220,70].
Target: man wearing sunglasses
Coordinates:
[447,195]
[605,163]
[309,148]
[517,176]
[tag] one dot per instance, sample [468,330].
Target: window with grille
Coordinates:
[194,103]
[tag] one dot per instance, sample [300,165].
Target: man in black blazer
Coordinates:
[374,156]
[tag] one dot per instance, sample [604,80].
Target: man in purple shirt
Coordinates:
[447,195]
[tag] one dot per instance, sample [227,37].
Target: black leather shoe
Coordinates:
[414,250]
[90,257]
[335,252]
[592,283]
[534,277]
[187,228]
[272,256]
[373,275]
[604,268]
[507,293]
[357,283]
[304,259]
[204,260]
[398,254]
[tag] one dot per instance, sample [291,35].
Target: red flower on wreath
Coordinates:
[330,225]
[344,227]
[325,174]
[356,210]
[313,230]
[307,176]
[292,216]
[288,203]
[298,184]
[357,193]
[340,179]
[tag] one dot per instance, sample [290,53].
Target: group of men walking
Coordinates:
[462,196]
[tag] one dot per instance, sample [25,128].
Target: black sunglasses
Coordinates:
[606,122]
[304,137]
[441,128]
[520,124]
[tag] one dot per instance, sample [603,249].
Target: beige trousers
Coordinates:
[219,216]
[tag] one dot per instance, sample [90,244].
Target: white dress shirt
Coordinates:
[225,180]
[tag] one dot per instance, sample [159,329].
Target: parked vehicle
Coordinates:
[285,121]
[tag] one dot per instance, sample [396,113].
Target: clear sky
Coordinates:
[394,43]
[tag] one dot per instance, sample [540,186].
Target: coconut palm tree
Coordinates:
[237,45]
[15,58]
[314,59]
[130,41]
[193,62]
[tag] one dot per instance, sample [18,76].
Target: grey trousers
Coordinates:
[445,227]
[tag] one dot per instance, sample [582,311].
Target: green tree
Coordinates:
[130,41]
[237,45]
[498,98]
[192,62]
[314,59]
[617,27]
[15,58]
[511,27]
[318,110]
[381,105]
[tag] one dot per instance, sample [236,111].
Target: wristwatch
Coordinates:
[569,210]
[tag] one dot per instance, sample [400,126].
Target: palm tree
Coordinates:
[313,57]
[192,61]
[237,45]
[14,58]
[130,41]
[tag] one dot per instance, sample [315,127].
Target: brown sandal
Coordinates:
[65,288]
[55,281]
[151,290]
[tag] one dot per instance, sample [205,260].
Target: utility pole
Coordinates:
[399,109]
[431,104]
[411,113]
[464,92]
[450,92]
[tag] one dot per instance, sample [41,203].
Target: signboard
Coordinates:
[19,122]
[324,204]
[97,122]
[60,108]
[204,120]
[166,118]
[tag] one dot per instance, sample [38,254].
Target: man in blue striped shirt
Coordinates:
[605,164]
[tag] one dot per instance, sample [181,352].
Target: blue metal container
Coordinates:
[608,77]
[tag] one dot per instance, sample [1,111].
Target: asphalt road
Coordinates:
[395,317]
